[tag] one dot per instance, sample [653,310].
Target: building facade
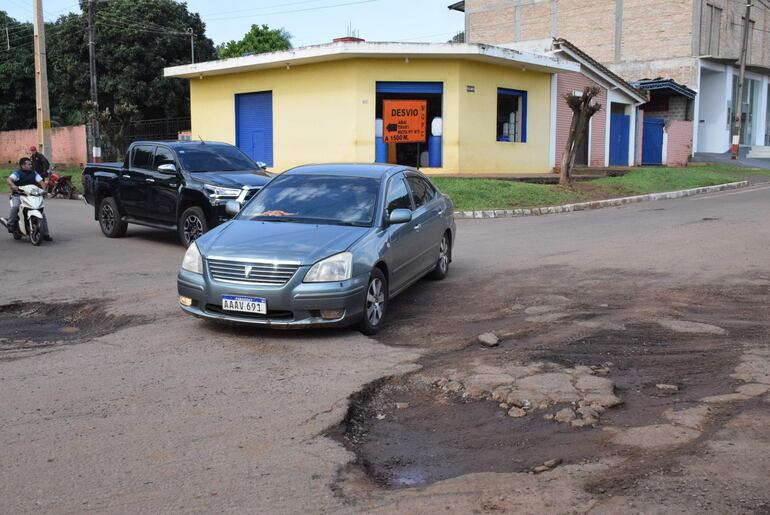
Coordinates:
[488,109]
[695,43]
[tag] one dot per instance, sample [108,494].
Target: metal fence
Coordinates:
[154,130]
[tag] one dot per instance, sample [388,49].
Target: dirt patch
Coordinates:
[28,328]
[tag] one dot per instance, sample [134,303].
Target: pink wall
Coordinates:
[567,83]
[69,145]
[679,143]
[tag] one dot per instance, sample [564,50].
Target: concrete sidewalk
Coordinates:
[726,159]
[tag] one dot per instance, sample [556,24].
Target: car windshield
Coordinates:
[214,158]
[317,199]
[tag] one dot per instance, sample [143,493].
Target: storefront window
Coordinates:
[511,122]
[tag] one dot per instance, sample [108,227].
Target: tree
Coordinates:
[583,107]
[258,40]
[115,124]
[458,38]
[17,76]
[135,40]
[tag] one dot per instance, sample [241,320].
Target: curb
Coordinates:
[598,204]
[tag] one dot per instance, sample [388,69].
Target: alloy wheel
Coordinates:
[193,228]
[375,301]
[443,255]
[108,217]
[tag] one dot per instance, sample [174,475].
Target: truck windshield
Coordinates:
[214,158]
[315,199]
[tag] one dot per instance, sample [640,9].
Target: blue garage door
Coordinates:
[620,125]
[652,142]
[254,125]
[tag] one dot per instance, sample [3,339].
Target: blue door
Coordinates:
[254,125]
[652,142]
[620,125]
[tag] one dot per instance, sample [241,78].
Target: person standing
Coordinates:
[39,163]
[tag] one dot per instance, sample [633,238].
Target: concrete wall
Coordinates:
[325,112]
[68,143]
[679,144]
[567,83]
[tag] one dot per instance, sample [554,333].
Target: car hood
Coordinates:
[232,179]
[278,241]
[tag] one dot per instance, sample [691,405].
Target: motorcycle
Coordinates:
[60,185]
[30,215]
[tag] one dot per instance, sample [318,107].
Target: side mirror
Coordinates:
[262,165]
[232,207]
[400,216]
[168,169]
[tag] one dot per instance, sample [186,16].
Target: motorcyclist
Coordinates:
[39,163]
[24,176]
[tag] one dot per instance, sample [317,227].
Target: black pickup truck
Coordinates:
[180,186]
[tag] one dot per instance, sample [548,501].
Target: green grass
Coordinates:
[470,194]
[75,172]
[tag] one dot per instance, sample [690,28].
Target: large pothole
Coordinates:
[29,327]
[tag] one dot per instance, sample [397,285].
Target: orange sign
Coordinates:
[404,121]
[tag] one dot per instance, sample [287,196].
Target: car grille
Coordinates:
[266,273]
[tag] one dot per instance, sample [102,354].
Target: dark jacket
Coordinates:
[40,164]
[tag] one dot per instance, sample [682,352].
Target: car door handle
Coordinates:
[126,176]
[149,179]
[417,227]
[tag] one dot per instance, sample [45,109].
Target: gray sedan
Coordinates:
[321,245]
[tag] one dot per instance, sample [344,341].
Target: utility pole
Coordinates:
[96,150]
[43,112]
[192,44]
[7,38]
[738,109]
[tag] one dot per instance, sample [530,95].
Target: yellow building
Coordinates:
[452,108]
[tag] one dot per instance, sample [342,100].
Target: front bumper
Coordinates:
[293,305]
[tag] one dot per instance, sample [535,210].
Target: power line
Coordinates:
[292,11]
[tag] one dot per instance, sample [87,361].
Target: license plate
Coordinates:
[244,304]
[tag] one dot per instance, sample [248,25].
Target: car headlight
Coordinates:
[331,269]
[218,192]
[192,261]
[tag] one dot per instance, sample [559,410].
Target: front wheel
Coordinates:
[375,303]
[35,236]
[192,225]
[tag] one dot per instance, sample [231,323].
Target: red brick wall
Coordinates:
[566,83]
[69,145]
[679,143]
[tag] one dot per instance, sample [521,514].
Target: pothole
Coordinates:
[28,327]
[408,433]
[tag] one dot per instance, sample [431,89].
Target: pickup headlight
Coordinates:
[192,261]
[217,192]
[331,269]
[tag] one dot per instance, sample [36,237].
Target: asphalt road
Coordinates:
[171,414]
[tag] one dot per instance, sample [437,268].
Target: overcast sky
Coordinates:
[309,21]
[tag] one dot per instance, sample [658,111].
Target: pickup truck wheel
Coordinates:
[109,219]
[192,225]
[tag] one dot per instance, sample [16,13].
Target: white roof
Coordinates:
[371,50]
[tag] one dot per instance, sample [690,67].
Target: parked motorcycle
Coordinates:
[30,215]
[60,185]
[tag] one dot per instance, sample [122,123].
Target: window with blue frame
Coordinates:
[511,115]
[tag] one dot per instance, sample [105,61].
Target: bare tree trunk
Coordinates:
[583,108]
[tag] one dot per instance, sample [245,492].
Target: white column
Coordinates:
[554,107]
[632,135]
[761,114]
